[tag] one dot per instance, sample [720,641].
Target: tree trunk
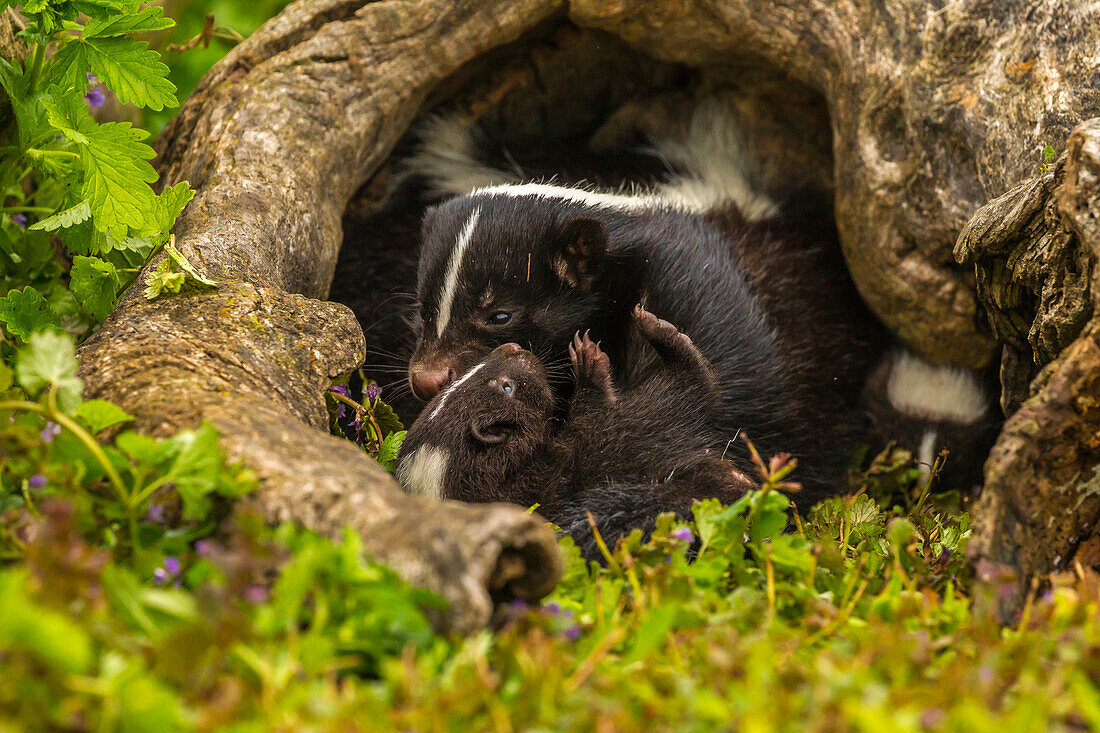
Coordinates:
[934,111]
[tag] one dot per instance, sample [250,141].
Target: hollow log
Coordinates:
[934,110]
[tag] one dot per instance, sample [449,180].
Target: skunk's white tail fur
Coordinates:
[447,158]
[935,391]
[945,398]
[711,169]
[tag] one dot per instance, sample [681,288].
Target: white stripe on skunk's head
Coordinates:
[423,472]
[935,391]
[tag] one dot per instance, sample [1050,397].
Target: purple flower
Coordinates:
[519,604]
[341,389]
[372,392]
[572,633]
[341,410]
[20,220]
[36,481]
[51,431]
[205,548]
[160,576]
[255,594]
[683,534]
[155,514]
[931,718]
[92,79]
[172,565]
[553,608]
[95,98]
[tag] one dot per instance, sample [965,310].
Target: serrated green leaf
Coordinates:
[173,200]
[145,20]
[181,262]
[49,358]
[116,178]
[387,419]
[391,446]
[115,161]
[98,415]
[25,311]
[128,67]
[95,284]
[66,115]
[104,8]
[67,218]
[163,280]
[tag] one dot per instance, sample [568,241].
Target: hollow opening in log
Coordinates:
[571,103]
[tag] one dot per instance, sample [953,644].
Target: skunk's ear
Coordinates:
[491,432]
[583,243]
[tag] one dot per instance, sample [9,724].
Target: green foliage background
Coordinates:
[124,607]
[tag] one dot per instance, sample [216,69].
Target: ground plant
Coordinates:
[133,597]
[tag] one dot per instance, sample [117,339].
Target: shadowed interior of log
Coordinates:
[571,104]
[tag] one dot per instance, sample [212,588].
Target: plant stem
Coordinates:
[36,67]
[28,209]
[82,435]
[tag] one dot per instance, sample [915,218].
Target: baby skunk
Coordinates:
[624,457]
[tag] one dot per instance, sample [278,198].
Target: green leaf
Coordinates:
[132,71]
[387,419]
[116,174]
[115,161]
[146,20]
[196,468]
[5,377]
[172,201]
[25,311]
[67,218]
[49,358]
[104,8]
[391,446]
[98,415]
[162,280]
[95,284]
[141,448]
[183,264]
[66,114]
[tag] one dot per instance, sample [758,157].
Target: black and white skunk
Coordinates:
[623,457]
[759,287]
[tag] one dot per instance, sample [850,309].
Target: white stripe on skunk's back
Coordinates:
[712,169]
[935,391]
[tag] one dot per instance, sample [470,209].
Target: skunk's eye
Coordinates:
[500,318]
[507,387]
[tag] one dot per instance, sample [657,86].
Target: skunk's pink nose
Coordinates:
[427,383]
[509,348]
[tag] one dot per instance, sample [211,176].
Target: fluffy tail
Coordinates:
[709,167]
[447,158]
[712,167]
[927,407]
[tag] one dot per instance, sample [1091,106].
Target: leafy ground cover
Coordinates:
[126,603]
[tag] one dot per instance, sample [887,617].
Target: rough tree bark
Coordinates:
[935,110]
